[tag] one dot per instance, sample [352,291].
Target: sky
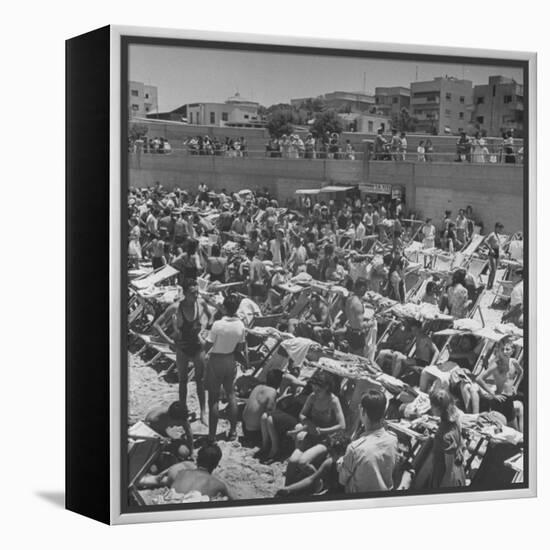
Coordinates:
[188,75]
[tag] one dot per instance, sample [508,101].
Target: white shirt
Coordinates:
[226,334]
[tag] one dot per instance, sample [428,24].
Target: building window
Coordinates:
[480,119]
[190,118]
[246,117]
[448,96]
[377,100]
[135,107]
[135,93]
[461,99]
[507,99]
[395,100]
[212,117]
[430,98]
[225,117]
[480,100]
[146,109]
[371,126]
[447,112]
[461,129]
[494,90]
[461,116]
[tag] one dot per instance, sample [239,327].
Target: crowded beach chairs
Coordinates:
[158,276]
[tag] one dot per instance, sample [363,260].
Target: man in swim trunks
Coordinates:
[355,316]
[262,399]
[493,242]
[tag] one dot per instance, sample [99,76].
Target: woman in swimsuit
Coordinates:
[500,383]
[188,343]
[321,416]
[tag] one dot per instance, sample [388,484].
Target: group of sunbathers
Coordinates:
[239,258]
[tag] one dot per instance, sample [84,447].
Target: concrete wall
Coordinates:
[494,191]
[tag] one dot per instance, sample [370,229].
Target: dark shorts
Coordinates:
[254,437]
[283,422]
[356,339]
[157,262]
[221,371]
[505,407]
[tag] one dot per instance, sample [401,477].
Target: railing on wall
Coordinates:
[494,155]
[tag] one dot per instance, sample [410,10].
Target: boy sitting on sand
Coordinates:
[262,399]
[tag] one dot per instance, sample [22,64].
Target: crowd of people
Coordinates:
[218,146]
[475,149]
[239,258]
[153,145]
[331,145]
[328,146]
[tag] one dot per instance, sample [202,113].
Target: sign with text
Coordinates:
[377,188]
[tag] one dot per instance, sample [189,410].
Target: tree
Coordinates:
[137,131]
[327,121]
[281,122]
[404,122]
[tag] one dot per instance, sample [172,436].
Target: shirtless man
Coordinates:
[425,352]
[355,312]
[201,478]
[262,399]
[318,316]
[493,242]
[500,382]
[164,417]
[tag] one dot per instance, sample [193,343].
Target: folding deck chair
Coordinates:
[442,262]
[141,455]
[471,247]
[476,266]
[158,276]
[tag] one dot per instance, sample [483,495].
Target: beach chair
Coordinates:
[412,278]
[442,262]
[300,304]
[267,320]
[142,454]
[136,307]
[412,252]
[472,246]
[476,266]
[158,276]
[477,298]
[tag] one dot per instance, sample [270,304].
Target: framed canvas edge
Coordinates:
[115,255]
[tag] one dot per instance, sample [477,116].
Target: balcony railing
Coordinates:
[495,154]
